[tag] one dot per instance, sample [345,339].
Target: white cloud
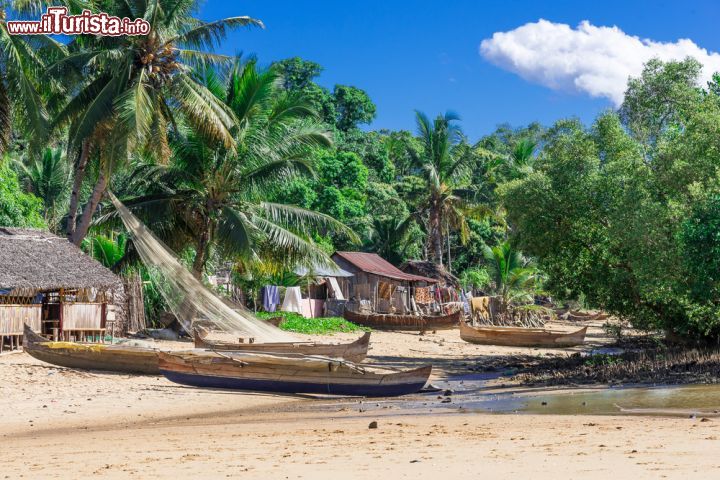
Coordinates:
[587,59]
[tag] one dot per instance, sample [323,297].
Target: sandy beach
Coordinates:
[60,423]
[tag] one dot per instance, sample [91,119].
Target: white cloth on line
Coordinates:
[337,292]
[292,301]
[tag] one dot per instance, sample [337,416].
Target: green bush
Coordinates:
[294,322]
[17,208]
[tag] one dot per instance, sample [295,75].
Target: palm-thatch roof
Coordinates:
[41,261]
[432,270]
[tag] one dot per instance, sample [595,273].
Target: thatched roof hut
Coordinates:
[51,285]
[41,261]
[432,270]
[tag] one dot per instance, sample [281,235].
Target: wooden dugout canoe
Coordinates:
[286,374]
[353,352]
[520,337]
[418,323]
[114,358]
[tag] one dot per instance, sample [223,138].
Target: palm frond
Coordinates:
[207,114]
[303,220]
[208,35]
[134,110]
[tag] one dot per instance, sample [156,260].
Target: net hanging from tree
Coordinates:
[188,299]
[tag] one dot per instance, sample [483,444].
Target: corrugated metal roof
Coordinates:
[375,264]
[319,271]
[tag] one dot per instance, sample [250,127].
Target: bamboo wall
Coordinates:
[12,318]
[81,316]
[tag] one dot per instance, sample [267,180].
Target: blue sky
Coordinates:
[425,54]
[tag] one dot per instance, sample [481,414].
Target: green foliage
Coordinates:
[700,241]
[447,202]
[209,197]
[629,218]
[475,278]
[341,186]
[511,275]
[352,107]
[297,74]
[17,207]
[294,322]
[660,97]
[48,176]
[106,250]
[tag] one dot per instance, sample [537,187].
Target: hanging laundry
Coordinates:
[335,288]
[466,302]
[271,297]
[422,295]
[385,290]
[292,301]
[481,307]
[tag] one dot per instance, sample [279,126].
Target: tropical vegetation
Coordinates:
[251,165]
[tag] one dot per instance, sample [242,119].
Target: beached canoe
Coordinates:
[353,352]
[520,337]
[418,323]
[91,356]
[290,373]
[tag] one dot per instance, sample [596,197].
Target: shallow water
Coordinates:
[660,400]
[469,393]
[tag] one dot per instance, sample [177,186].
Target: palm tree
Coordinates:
[513,277]
[48,177]
[212,196]
[391,238]
[108,250]
[22,109]
[444,161]
[129,91]
[522,158]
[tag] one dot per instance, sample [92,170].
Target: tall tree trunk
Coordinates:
[87,215]
[447,237]
[201,251]
[435,236]
[77,184]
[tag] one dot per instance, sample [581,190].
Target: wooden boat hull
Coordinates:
[353,352]
[113,358]
[291,375]
[415,323]
[520,337]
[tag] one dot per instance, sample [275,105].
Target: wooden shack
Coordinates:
[328,289]
[378,284]
[50,284]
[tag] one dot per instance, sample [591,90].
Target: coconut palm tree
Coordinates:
[210,196]
[391,238]
[513,276]
[444,161]
[522,158]
[48,177]
[127,92]
[22,109]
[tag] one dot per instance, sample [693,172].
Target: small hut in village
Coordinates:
[50,284]
[432,270]
[328,289]
[378,284]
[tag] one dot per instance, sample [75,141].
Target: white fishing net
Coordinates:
[189,300]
